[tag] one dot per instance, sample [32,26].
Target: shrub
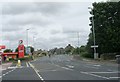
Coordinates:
[87,55]
[106,56]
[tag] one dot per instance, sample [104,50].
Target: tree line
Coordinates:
[106,17]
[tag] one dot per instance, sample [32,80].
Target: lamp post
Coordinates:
[34,37]
[93,34]
[27,39]
[27,36]
[34,41]
[78,44]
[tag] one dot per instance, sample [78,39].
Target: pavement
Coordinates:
[5,65]
[62,67]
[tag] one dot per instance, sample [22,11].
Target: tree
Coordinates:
[31,48]
[113,0]
[82,49]
[7,51]
[69,49]
[16,50]
[106,17]
[76,50]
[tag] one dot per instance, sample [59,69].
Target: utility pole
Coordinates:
[34,37]
[78,43]
[94,46]
[27,39]
[34,42]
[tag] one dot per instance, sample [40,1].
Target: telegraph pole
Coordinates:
[27,39]
[94,41]
[78,43]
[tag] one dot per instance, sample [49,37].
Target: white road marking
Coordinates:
[27,64]
[92,67]
[7,73]
[53,70]
[95,75]
[97,65]
[12,67]
[85,60]
[114,77]
[36,72]
[63,67]
[67,68]
[103,72]
[70,66]
[15,67]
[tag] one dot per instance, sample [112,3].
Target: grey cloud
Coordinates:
[55,31]
[13,36]
[20,8]
[53,24]
[10,28]
[74,29]
[27,19]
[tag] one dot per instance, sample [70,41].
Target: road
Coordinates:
[62,67]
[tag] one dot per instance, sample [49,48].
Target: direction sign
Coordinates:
[94,46]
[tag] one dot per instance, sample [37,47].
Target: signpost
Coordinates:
[96,46]
[95,54]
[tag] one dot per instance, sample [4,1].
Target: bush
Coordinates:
[106,56]
[87,55]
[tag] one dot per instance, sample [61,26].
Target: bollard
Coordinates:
[19,63]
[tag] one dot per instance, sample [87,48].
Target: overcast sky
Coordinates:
[53,24]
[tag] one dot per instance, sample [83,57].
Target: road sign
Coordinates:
[94,46]
[20,42]
[28,50]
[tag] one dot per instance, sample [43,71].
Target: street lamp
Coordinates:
[93,34]
[27,36]
[78,43]
[34,41]
[34,37]
[27,40]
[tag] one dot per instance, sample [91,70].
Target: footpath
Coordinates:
[5,66]
[95,61]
